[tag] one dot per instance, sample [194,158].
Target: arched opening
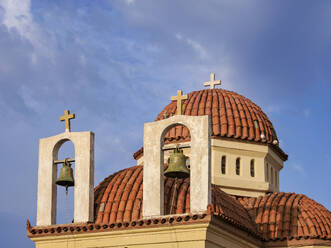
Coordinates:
[223,165]
[175,136]
[238,166]
[272,175]
[252,169]
[267,172]
[177,133]
[65,200]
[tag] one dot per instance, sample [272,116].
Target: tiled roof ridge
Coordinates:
[76,228]
[233,214]
[223,211]
[233,116]
[288,216]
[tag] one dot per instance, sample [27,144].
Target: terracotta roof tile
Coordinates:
[77,228]
[232,116]
[122,200]
[288,216]
[272,218]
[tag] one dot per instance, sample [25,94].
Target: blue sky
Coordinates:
[117,63]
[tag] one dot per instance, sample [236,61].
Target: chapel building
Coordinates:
[227,196]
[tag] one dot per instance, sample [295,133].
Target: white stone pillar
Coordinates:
[200,182]
[84,177]
[153,187]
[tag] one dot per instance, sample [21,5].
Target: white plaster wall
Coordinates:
[243,184]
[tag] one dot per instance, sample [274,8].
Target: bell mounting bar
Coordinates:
[172,147]
[70,160]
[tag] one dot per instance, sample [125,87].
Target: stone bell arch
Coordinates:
[84,176]
[200,173]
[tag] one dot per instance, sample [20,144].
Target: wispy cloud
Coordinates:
[130,2]
[18,18]
[297,167]
[196,46]
[30,99]
[306,113]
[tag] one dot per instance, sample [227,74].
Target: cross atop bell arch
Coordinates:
[66,118]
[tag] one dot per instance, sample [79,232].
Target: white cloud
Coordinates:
[273,109]
[30,99]
[194,45]
[299,168]
[129,2]
[198,48]
[82,59]
[179,36]
[306,113]
[18,17]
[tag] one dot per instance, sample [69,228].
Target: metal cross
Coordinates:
[179,99]
[212,81]
[66,118]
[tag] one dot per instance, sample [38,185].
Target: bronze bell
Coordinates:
[66,177]
[177,165]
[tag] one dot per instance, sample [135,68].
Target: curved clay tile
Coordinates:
[232,115]
[288,216]
[225,108]
[119,199]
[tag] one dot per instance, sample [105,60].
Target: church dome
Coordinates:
[233,116]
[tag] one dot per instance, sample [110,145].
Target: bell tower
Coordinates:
[83,177]
[200,159]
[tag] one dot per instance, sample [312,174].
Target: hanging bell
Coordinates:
[66,177]
[177,165]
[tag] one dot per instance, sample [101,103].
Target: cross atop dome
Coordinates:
[212,81]
[179,99]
